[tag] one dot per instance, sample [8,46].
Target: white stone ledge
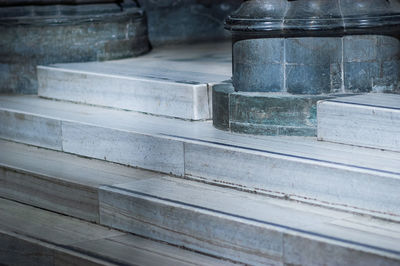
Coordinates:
[367,120]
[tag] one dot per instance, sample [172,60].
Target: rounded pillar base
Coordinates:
[42,35]
[265,113]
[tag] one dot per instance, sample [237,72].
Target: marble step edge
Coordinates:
[371,120]
[118,191]
[344,187]
[53,239]
[235,236]
[50,193]
[132,93]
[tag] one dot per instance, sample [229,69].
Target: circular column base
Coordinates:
[62,34]
[265,113]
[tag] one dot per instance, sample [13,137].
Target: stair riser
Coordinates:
[134,149]
[220,234]
[358,189]
[30,129]
[300,178]
[359,125]
[20,250]
[167,98]
[49,193]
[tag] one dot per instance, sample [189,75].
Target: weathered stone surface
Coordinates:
[265,113]
[371,120]
[371,63]
[245,227]
[360,179]
[220,105]
[129,148]
[50,239]
[277,114]
[317,65]
[261,69]
[58,34]
[171,81]
[24,127]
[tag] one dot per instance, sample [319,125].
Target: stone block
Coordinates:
[49,193]
[359,76]
[220,105]
[134,149]
[30,129]
[294,175]
[300,250]
[273,109]
[203,230]
[309,79]
[322,51]
[262,68]
[360,48]
[366,120]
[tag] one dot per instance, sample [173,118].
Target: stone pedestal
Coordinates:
[287,55]
[44,32]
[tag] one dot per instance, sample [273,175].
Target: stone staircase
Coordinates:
[88,172]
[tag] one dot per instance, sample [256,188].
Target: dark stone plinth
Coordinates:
[316,46]
[287,55]
[265,113]
[45,34]
[317,65]
[220,105]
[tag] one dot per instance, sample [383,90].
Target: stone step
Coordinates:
[57,181]
[371,120]
[249,228]
[300,168]
[173,81]
[228,224]
[32,236]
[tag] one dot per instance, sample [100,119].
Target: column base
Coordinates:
[266,113]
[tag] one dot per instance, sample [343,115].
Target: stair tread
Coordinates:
[369,120]
[389,101]
[66,167]
[169,81]
[66,235]
[346,177]
[297,148]
[280,214]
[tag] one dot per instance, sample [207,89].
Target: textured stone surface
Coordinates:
[171,81]
[220,105]
[245,227]
[30,129]
[265,113]
[277,114]
[371,120]
[360,179]
[50,239]
[317,65]
[371,63]
[30,41]
[258,65]
[57,181]
[129,148]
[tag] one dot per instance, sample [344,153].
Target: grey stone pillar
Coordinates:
[41,32]
[287,55]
